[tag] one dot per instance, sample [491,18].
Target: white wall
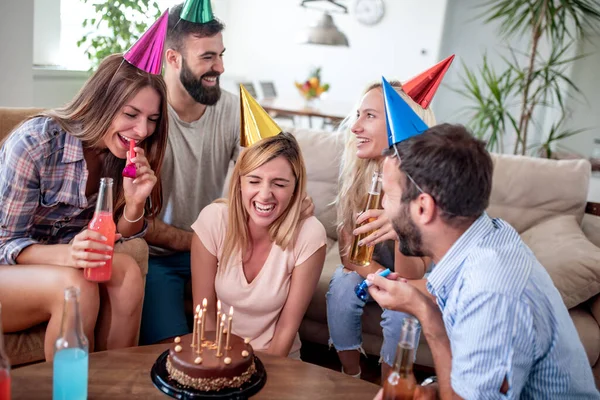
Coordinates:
[586,113]
[16,53]
[53,88]
[260,40]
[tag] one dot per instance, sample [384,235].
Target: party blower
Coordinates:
[129,170]
[361,289]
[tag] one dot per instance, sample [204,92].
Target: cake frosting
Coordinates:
[208,371]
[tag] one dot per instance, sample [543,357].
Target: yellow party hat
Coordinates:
[256,123]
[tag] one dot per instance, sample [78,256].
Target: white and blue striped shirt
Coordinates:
[505,319]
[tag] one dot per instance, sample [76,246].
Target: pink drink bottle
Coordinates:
[103,223]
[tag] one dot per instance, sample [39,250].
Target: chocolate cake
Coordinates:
[208,371]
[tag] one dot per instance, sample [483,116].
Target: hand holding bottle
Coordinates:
[88,250]
[378,224]
[359,254]
[137,190]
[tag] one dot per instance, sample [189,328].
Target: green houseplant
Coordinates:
[508,101]
[126,20]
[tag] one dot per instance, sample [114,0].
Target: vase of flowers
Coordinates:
[312,88]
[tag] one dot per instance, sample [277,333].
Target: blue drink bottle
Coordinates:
[70,373]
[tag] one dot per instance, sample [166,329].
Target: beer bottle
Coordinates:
[401,383]
[362,255]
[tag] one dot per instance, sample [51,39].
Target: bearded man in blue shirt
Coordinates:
[494,321]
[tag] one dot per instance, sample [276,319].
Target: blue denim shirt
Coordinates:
[505,319]
[43,177]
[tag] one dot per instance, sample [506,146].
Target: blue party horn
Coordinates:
[361,289]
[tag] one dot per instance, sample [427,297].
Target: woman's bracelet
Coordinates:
[135,220]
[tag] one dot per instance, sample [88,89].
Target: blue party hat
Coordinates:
[402,121]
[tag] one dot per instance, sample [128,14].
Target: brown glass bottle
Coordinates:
[401,383]
[362,255]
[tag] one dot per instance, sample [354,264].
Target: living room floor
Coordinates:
[371,371]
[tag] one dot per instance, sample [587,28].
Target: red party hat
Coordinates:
[146,54]
[422,87]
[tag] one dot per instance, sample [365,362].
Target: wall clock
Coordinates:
[369,12]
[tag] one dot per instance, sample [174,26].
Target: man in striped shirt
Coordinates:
[496,325]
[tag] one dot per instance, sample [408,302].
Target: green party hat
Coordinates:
[197,11]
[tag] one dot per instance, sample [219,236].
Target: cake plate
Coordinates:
[160,378]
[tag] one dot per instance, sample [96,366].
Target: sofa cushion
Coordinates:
[11,117]
[527,190]
[26,346]
[571,260]
[322,152]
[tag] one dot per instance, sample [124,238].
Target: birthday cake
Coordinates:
[206,369]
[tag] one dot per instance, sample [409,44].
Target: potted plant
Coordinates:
[530,83]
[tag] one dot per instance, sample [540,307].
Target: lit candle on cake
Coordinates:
[229,328]
[202,323]
[200,331]
[195,331]
[218,312]
[220,336]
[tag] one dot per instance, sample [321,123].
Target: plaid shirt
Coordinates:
[43,177]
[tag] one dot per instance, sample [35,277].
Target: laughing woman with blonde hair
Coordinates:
[256,253]
[366,138]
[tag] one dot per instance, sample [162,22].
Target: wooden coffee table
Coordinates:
[125,374]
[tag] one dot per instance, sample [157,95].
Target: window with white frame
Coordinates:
[57,28]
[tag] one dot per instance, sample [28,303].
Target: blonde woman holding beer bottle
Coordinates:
[366,139]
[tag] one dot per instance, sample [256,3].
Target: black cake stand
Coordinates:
[160,378]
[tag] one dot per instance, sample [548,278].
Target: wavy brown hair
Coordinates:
[283,230]
[90,114]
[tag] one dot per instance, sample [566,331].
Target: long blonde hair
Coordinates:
[282,231]
[355,173]
[91,112]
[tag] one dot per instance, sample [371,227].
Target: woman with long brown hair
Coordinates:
[256,252]
[50,170]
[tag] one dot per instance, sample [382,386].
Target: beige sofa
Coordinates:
[28,346]
[545,200]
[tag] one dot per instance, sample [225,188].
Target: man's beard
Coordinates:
[409,236]
[203,95]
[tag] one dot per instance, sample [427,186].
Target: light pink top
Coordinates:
[256,305]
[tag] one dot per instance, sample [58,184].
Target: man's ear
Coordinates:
[424,208]
[173,58]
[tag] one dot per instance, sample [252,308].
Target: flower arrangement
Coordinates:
[312,88]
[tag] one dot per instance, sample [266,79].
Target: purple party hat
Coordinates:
[146,54]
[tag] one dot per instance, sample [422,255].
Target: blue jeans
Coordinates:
[163,315]
[344,312]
